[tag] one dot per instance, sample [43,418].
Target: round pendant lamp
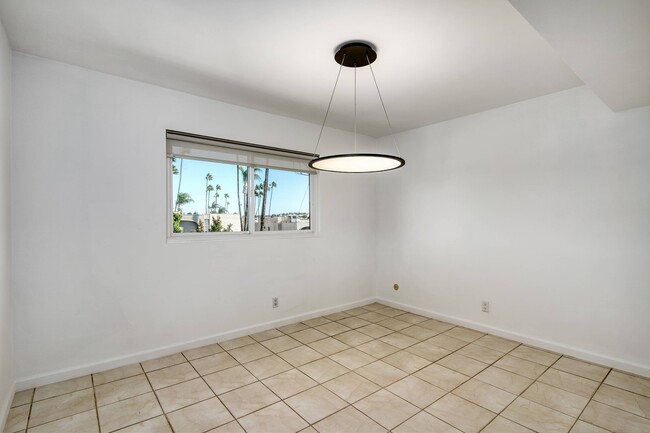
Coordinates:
[356,55]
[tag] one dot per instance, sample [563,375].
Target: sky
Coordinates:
[290,196]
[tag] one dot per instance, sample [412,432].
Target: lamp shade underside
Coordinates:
[357,163]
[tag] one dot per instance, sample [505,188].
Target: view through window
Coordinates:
[210,196]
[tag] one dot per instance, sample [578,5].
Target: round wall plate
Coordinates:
[355,55]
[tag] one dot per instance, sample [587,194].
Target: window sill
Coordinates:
[238,236]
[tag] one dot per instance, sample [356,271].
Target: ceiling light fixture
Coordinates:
[356,55]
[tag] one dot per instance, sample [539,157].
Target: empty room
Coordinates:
[255,216]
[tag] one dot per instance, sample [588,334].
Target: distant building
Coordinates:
[190,223]
[291,222]
[283,223]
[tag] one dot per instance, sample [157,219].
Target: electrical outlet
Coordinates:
[485,306]
[275,302]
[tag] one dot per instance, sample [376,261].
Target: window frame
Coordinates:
[314,208]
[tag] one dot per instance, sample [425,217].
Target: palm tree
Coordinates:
[208,178]
[182,198]
[258,194]
[243,170]
[217,188]
[273,186]
[225,198]
[208,190]
[180,178]
[244,190]
[265,190]
[241,223]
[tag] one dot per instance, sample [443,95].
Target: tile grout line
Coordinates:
[522,393]
[408,374]
[58,395]
[179,383]
[31,406]
[303,344]
[412,374]
[489,365]
[516,395]
[591,399]
[92,381]
[347,404]
[210,388]
[602,382]
[524,390]
[436,363]
[397,349]
[157,399]
[621,389]
[51,398]
[297,368]
[212,372]
[137,422]
[376,358]
[273,392]
[461,384]
[577,418]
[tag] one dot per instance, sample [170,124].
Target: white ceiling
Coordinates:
[606,43]
[438,59]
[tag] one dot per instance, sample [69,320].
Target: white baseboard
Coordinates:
[6,405]
[620,364]
[81,370]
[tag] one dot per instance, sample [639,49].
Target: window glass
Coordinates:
[282,200]
[213,197]
[205,197]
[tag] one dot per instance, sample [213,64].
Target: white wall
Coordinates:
[541,208]
[6,367]
[91,283]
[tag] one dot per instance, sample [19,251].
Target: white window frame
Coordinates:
[314,209]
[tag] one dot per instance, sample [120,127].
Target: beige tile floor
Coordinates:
[369,369]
